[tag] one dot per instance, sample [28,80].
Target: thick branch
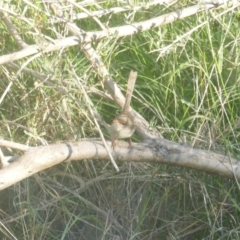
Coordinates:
[156,150]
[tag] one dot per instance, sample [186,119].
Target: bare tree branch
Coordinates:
[114,10]
[115,31]
[12,30]
[14,145]
[157,151]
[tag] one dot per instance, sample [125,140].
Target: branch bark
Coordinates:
[153,150]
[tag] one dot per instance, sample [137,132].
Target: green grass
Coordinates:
[191,90]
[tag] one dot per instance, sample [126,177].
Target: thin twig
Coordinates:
[89,14]
[18,146]
[12,30]
[114,10]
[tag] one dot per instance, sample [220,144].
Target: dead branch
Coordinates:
[156,151]
[115,31]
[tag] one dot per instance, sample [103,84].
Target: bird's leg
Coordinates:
[114,143]
[130,143]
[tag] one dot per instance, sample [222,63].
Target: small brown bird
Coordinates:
[123,124]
